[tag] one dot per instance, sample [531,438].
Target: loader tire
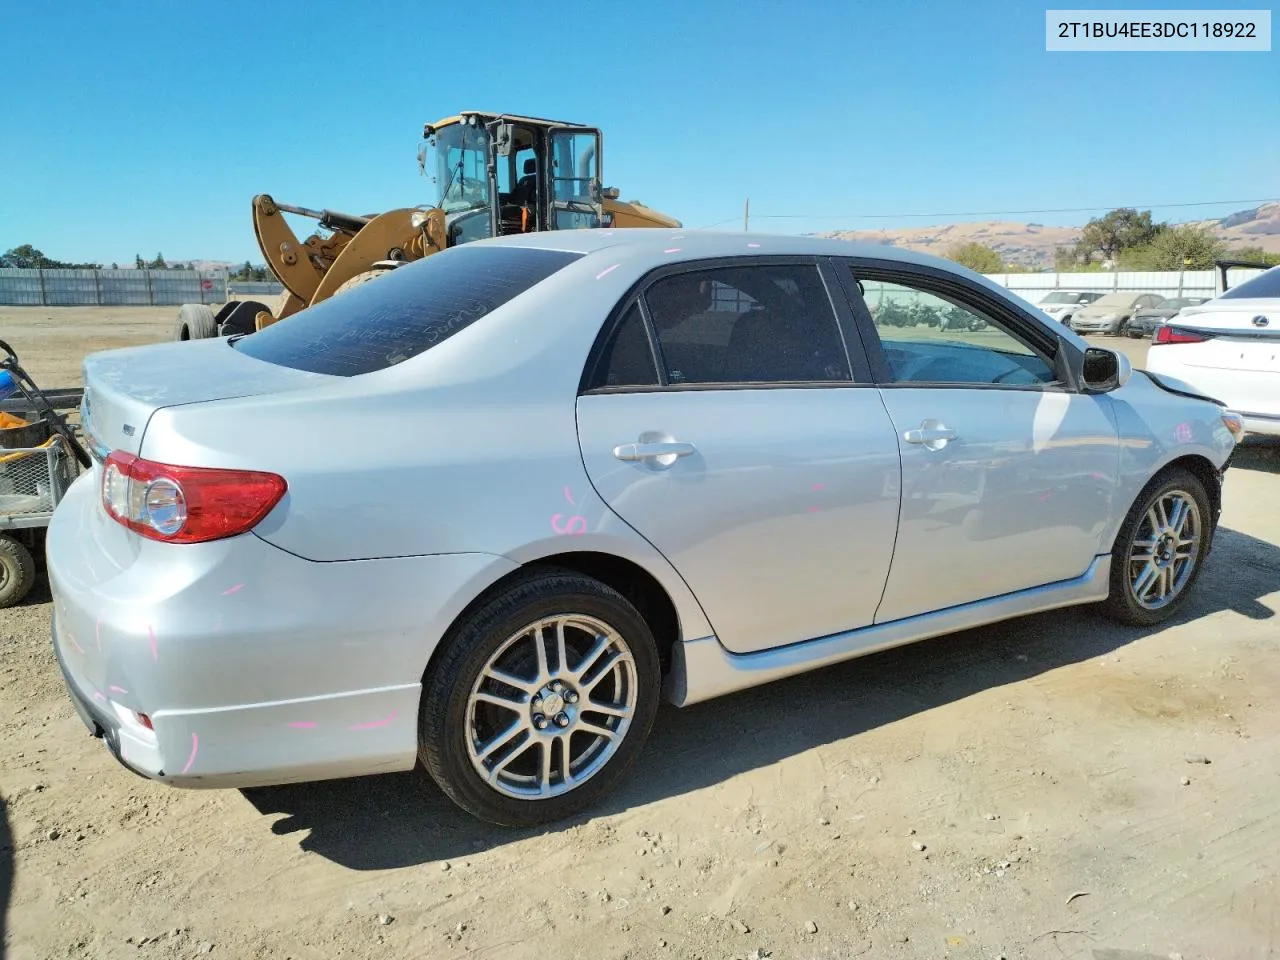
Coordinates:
[242,318]
[195,322]
[358,280]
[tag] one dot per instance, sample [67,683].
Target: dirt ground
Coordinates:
[1055,787]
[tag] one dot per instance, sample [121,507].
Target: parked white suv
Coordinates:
[1062,304]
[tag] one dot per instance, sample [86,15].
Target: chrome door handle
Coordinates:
[649,451]
[931,434]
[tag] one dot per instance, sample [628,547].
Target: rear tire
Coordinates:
[17,571]
[195,322]
[1150,579]
[519,740]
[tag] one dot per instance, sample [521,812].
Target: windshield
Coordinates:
[1115,300]
[1263,285]
[1060,296]
[458,155]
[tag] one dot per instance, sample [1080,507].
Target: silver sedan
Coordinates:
[485,512]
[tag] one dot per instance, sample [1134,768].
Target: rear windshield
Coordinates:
[1263,285]
[394,317]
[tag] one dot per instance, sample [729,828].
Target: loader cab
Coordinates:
[498,174]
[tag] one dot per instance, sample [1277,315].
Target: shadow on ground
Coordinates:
[6,873]
[375,823]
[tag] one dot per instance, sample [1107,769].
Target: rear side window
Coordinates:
[627,359]
[759,324]
[394,317]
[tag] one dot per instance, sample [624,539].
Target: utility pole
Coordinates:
[746,214]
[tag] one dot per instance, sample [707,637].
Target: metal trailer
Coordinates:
[39,460]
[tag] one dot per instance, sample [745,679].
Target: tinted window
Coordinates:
[1263,285]
[397,316]
[627,359]
[762,324]
[928,338]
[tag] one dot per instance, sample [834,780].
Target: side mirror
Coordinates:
[1105,370]
[611,193]
[503,137]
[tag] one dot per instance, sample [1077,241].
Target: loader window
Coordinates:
[458,159]
[395,317]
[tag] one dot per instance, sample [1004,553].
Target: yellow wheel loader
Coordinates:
[495,174]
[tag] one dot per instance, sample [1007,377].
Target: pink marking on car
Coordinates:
[373,724]
[575,526]
[671,250]
[303,724]
[195,748]
[230,590]
[606,271]
[114,689]
[1045,496]
[814,509]
[568,495]
[818,486]
[1183,433]
[97,695]
[72,640]
[151,635]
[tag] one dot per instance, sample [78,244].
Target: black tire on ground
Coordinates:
[1121,604]
[241,318]
[195,322]
[443,729]
[17,571]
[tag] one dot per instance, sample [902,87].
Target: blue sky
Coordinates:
[137,127]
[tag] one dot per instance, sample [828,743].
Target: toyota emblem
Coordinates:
[1260,321]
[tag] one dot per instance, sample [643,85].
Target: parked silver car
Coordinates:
[486,511]
[1112,313]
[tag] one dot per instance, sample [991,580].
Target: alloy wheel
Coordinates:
[1165,549]
[551,707]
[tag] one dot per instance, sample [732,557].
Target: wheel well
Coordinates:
[1206,473]
[629,579]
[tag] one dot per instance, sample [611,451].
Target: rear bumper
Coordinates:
[253,666]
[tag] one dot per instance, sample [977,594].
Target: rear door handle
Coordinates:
[652,451]
[931,434]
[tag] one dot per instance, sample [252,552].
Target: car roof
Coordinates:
[660,243]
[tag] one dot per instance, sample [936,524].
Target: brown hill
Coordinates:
[1032,244]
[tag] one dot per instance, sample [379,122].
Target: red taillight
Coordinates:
[186,504]
[1168,334]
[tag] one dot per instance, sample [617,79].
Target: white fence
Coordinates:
[75,288]
[1179,283]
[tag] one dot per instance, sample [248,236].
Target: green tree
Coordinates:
[158,263]
[976,256]
[1120,230]
[1184,247]
[1254,254]
[115,266]
[27,257]
[138,262]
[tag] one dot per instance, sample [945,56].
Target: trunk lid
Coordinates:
[123,388]
[1245,335]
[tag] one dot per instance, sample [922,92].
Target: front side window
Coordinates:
[931,338]
[757,324]
[404,313]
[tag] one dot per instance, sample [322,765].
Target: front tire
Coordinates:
[540,700]
[1160,550]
